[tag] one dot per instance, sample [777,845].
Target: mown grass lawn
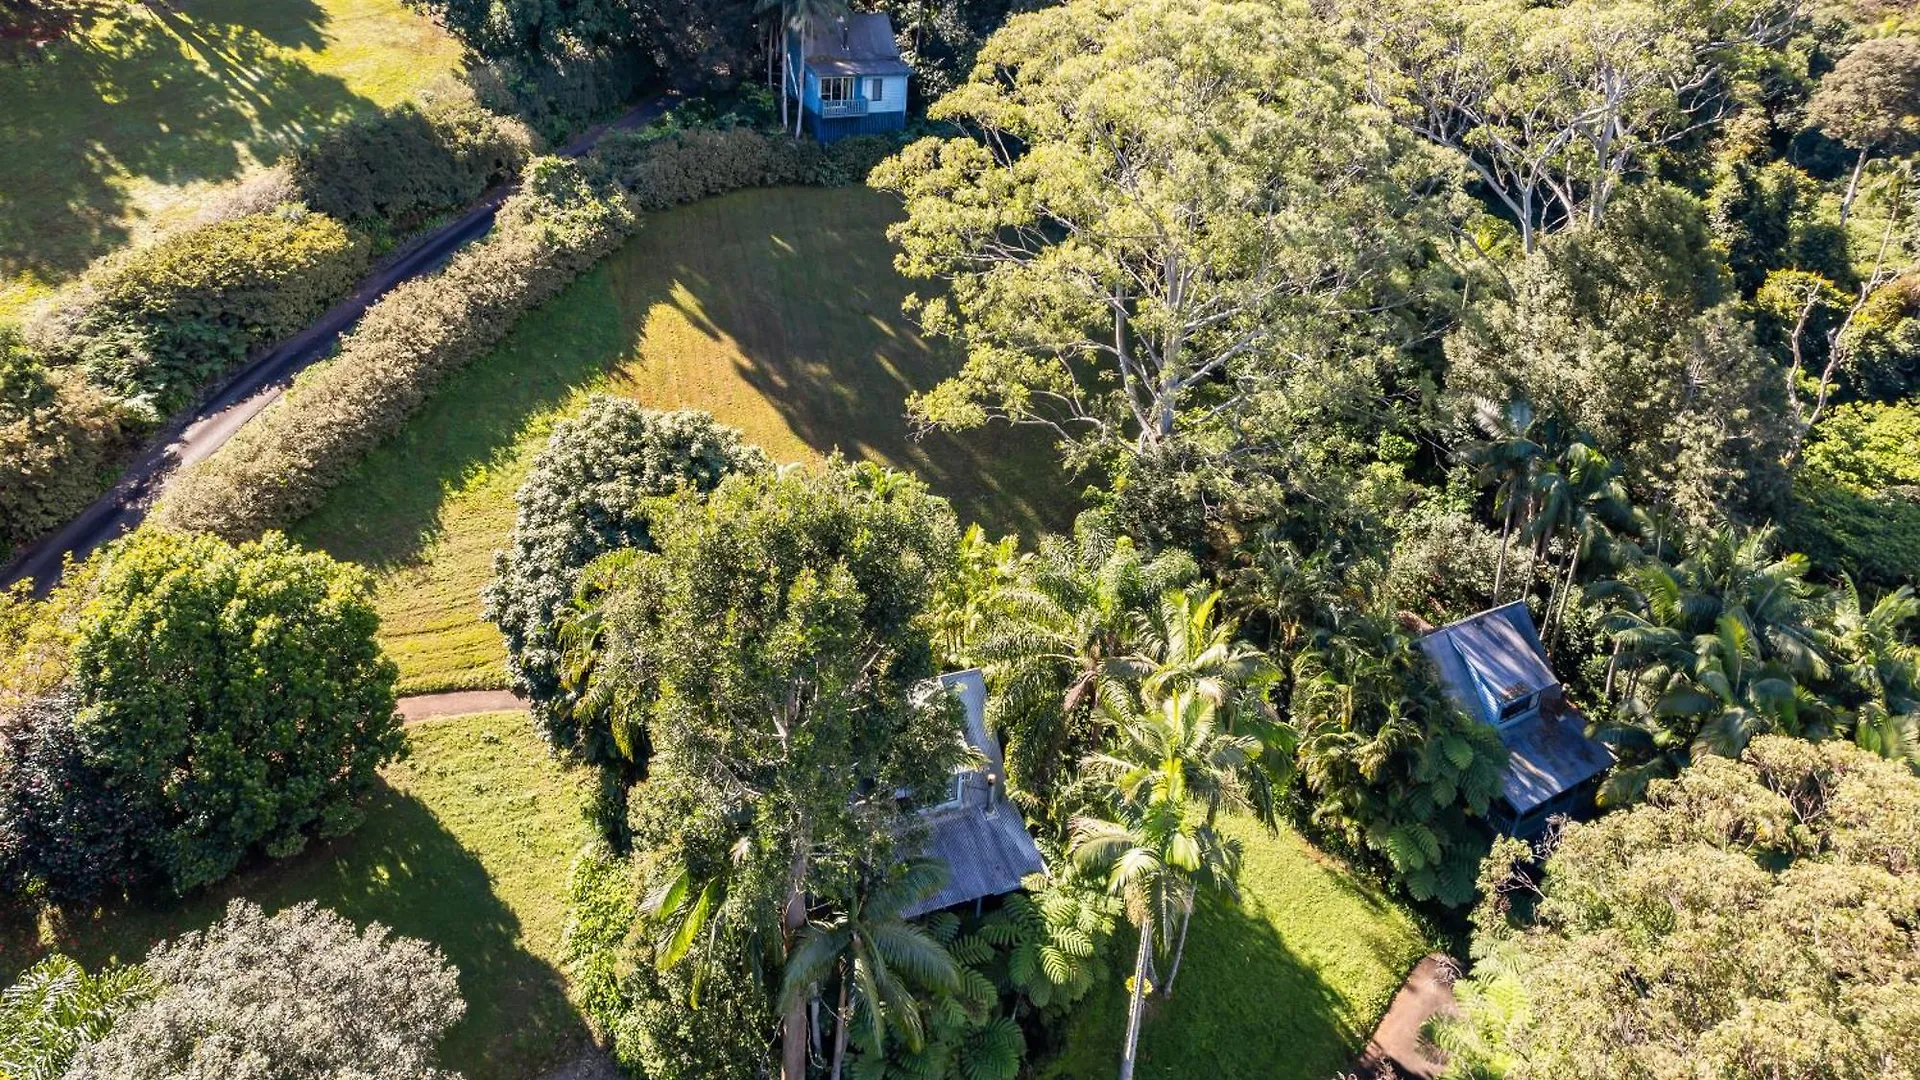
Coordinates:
[777,310]
[128,127]
[1286,985]
[467,845]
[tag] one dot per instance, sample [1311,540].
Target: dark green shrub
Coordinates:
[559,94]
[401,166]
[234,696]
[283,463]
[1883,342]
[65,831]
[590,492]
[166,320]
[1873,536]
[60,444]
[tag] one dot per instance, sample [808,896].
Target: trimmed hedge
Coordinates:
[60,443]
[283,463]
[395,169]
[571,214]
[162,322]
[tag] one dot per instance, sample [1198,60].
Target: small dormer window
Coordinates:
[1519,707]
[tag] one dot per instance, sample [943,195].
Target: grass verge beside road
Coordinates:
[776,310]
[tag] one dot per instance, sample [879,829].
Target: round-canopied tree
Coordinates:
[1870,101]
[234,697]
[590,492]
[300,995]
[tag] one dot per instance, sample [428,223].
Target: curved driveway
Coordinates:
[196,434]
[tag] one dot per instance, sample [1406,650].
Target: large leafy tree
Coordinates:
[1164,213]
[1628,331]
[590,492]
[1871,102]
[775,645]
[234,696]
[302,994]
[1555,106]
[1752,920]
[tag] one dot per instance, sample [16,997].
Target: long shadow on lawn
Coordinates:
[157,94]
[813,316]
[840,363]
[1245,1005]
[401,869]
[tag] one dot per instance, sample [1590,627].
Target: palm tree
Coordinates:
[691,916]
[1581,500]
[56,1008]
[1061,638]
[879,957]
[801,17]
[1186,646]
[1506,460]
[1179,742]
[1880,668]
[1730,695]
[1155,854]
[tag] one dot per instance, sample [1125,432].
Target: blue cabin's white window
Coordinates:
[835,89]
[876,90]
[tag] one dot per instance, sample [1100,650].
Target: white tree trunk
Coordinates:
[1135,1005]
[1180,948]
[1853,187]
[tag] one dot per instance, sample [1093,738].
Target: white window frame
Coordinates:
[876,89]
[837,82]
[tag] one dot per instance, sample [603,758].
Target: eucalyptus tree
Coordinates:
[1555,106]
[1163,216]
[1871,102]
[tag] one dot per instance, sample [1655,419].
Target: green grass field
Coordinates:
[1286,985]
[467,845]
[778,311]
[124,130]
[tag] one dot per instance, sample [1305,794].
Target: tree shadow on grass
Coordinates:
[404,870]
[1245,1005]
[795,285]
[157,93]
[821,335]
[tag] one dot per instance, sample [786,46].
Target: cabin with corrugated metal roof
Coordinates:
[981,837]
[1495,668]
[846,76]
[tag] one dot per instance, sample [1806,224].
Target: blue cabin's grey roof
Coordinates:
[859,45]
[1495,657]
[981,837]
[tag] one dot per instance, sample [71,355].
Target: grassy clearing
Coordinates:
[125,130]
[1287,985]
[778,311]
[467,845]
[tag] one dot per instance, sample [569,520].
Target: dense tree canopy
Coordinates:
[1752,919]
[1166,217]
[299,995]
[591,491]
[233,699]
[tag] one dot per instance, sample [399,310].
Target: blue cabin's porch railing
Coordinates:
[851,107]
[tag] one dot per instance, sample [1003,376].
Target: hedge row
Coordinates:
[283,464]
[161,322]
[60,443]
[393,170]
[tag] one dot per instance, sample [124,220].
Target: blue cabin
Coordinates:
[1494,668]
[847,76]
